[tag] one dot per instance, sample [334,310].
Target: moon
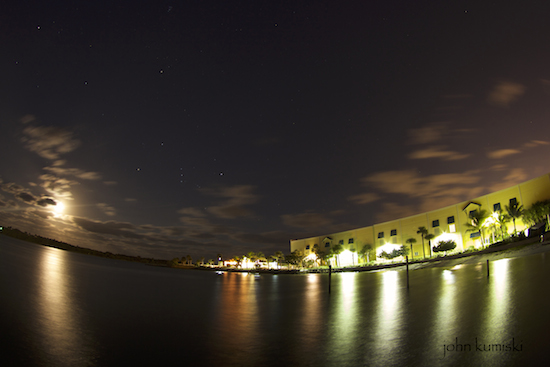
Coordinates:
[59,208]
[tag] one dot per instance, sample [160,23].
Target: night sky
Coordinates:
[168,128]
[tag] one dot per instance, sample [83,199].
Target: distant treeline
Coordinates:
[16,233]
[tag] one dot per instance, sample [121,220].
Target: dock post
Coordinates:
[487,268]
[329,276]
[407,260]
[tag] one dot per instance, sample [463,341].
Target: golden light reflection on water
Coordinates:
[238,318]
[313,318]
[445,318]
[497,318]
[58,321]
[388,315]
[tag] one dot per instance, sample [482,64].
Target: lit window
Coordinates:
[496,207]
[435,223]
[452,228]
[393,232]
[380,234]
[350,240]
[450,219]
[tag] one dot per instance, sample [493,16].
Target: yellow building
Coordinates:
[444,224]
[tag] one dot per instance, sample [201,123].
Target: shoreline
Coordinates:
[525,247]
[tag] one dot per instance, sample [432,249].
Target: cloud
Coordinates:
[76,172]
[237,197]
[437,152]
[49,142]
[505,93]
[427,192]
[365,198]
[514,177]
[45,202]
[429,133]
[118,229]
[58,187]
[535,143]
[107,209]
[28,198]
[308,220]
[501,153]
[391,211]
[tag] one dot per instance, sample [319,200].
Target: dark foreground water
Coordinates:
[64,309]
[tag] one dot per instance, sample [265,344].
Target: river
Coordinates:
[66,309]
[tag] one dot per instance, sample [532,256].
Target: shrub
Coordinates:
[445,246]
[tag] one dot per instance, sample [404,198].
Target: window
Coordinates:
[307,247]
[327,244]
[496,207]
[380,234]
[452,228]
[435,223]
[341,242]
[513,201]
[393,232]
[350,240]
[450,219]
[472,212]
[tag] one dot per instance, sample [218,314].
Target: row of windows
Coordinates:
[435,224]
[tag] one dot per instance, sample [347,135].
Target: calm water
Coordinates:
[65,309]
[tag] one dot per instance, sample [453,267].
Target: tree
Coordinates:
[337,250]
[445,246]
[365,251]
[500,220]
[402,251]
[279,256]
[422,231]
[429,237]
[477,219]
[189,260]
[174,262]
[318,253]
[515,211]
[295,258]
[411,241]
[537,213]
[260,256]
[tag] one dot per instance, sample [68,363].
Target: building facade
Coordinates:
[448,223]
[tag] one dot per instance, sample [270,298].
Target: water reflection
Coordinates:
[238,321]
[59,324]
[497,311]
[388,316]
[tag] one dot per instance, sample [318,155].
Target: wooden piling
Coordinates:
[487,268]
[407,261]
[329,276]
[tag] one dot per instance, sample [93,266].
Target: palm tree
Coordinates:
[337,250]
[411,241]
[279,256]
[429,237]
[189,259]
[501,219]
[514,211]
[365,251]
[477,218]
[422,231]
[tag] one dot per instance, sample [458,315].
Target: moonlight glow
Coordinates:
[59,208]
